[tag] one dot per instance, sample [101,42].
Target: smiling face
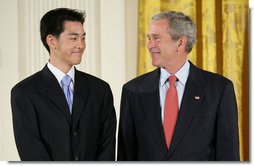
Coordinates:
[162,48]
[68,48]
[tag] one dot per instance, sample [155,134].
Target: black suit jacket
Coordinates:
[45,130]
[207,125]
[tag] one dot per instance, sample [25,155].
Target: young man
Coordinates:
[60,113]
[178,111]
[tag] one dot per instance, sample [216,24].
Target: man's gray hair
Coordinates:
[179,25]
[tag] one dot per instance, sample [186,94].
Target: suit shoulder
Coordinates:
[209,76]
[214,77]
[136,81]
[215,81]
[93,79]
[29,81]
[135,84]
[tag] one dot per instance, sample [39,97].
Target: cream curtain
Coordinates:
[222,46]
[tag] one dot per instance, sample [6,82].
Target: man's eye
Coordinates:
[156,38]
[73,38]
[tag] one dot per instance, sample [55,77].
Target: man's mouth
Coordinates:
[155,52]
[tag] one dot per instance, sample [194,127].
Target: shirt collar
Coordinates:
[181,74]
[59,74]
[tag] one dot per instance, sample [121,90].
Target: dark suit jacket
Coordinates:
[206,129]
[45,130]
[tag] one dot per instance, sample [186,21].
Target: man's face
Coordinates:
[160,44]
[71,44]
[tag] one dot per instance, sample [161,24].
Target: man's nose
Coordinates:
[150,44]
[81,44]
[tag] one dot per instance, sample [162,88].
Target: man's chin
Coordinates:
[155,64]
[77,62]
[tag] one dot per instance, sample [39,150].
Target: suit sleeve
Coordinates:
[26,131]
[227,144]
[108,138]
[127,143]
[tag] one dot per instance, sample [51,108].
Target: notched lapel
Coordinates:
[81,93]
[150,101]
[55,92]
[152,111]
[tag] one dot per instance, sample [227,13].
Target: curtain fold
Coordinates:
[222,46]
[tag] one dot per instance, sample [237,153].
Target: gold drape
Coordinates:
[222,46]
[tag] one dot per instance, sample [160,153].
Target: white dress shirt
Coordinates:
[182,76]
[59,74]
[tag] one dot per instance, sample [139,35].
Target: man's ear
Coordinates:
[51,41]
[182,41]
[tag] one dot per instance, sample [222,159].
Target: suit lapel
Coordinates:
[81,94]
[193,97]
[55,92]
[150,101]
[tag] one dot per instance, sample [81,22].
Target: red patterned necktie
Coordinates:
[170,110]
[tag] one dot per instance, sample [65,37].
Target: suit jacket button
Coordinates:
[76,158]
[74,133]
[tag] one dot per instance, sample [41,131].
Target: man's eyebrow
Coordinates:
[76,34]
[152,35]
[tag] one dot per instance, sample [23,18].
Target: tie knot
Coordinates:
[66,80]
[172,79]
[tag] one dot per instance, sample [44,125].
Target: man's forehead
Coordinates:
[74,28]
